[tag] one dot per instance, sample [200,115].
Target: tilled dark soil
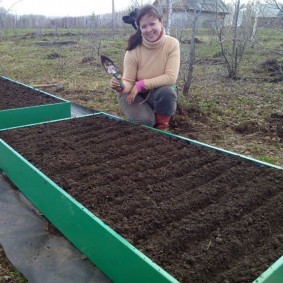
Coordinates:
[202,215]
[13,95]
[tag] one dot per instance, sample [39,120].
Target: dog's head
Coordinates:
[131,18]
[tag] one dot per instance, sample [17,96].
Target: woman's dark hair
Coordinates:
[136,38]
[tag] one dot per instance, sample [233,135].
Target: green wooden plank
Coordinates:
[116,257]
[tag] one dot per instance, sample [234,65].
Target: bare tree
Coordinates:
[233,39]
[275,24]
[113,18]
[137,3]
[169,15]
[192,9]
[191,62]
[15,3]
[269,16]
[3,18]
[4,14]
[254,31]
[276,4]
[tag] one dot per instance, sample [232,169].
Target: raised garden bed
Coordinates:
[23,105]
[202,215]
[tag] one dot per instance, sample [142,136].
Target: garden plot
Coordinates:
[202,215]
[22,105]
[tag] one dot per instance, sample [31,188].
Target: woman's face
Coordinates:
[150,27]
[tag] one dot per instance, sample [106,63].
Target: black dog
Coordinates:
[131,18]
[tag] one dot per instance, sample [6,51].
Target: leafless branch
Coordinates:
[15,3]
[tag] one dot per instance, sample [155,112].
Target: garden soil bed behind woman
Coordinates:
[13,95]
[202,215]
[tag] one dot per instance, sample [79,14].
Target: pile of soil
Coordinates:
[202,215]
[15,96]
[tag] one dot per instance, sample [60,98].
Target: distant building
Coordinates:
[269,15]
[209,11]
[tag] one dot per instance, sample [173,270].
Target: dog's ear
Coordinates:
[131,18]
[127,19]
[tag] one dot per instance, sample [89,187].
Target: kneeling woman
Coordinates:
[151,68]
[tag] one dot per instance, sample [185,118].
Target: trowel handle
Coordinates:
[117,76]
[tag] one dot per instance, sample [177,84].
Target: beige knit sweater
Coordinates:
[157,63]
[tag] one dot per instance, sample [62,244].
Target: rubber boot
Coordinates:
[162,122]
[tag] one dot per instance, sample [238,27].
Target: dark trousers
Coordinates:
[162,100]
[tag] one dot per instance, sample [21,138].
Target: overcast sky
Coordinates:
[64,7]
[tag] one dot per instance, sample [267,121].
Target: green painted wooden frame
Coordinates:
[116,257]
[10,118]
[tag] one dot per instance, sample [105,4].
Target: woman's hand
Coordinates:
[132,95]
[114,84]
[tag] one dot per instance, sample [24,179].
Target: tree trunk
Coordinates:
[188,79]
[169,16]
[234,56]
[113,18]
[254,32]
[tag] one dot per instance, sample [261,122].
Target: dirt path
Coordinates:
[202,215]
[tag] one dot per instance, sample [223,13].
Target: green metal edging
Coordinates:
[274,274]
[210,147]
[115,256]
[10,118]
[35,114]
[51,121]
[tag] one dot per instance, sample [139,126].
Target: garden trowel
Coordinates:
[110,68]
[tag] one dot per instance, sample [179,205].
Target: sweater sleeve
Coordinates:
[172,67]
[130,71]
